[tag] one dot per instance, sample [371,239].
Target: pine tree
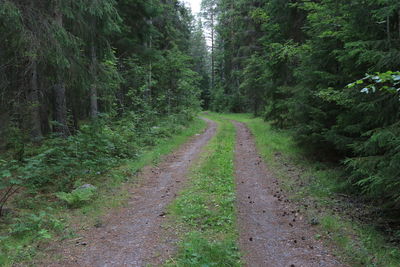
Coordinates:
[201,60]
[210,14]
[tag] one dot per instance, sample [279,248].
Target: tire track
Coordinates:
[272,231]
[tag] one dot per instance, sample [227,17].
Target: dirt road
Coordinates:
[272,231]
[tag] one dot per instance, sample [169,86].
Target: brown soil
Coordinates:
[133,235]
[273,232]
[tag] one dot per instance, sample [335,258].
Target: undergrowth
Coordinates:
[206,208]
[105,155]
[319,185]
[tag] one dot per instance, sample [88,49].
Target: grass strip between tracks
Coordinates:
[205,210]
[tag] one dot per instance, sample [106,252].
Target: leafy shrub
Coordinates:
[78,197]
[29,228]
[36,225]
[59,163]
[8,185]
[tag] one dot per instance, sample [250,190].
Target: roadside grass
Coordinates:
[44,219]
[319,185]
[205,211]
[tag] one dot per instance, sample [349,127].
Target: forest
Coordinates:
[83,83]
[88,86]
[327,70]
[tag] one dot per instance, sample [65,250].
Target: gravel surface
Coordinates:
[272,231]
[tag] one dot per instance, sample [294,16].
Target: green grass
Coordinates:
[44,219]
[308,181]
[205,210]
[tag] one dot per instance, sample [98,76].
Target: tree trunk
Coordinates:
[60,110]
[4,121]
[44,118]
[60,102]
[398,14]
[388,29]
[212,52]
[94,109]
[34,105]
[75,118]
[148,94]
[35,125]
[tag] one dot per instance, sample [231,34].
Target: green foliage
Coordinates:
[300,65]
[107,56]
[78,197]
[25,233]
[220,101]
[375,139]
[38,226]
[94,149]
[387,82]
[59,163]
[201,60]
[254,79]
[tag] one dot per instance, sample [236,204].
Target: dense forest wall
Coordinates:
[63,62]
[85,84]
[325,69]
